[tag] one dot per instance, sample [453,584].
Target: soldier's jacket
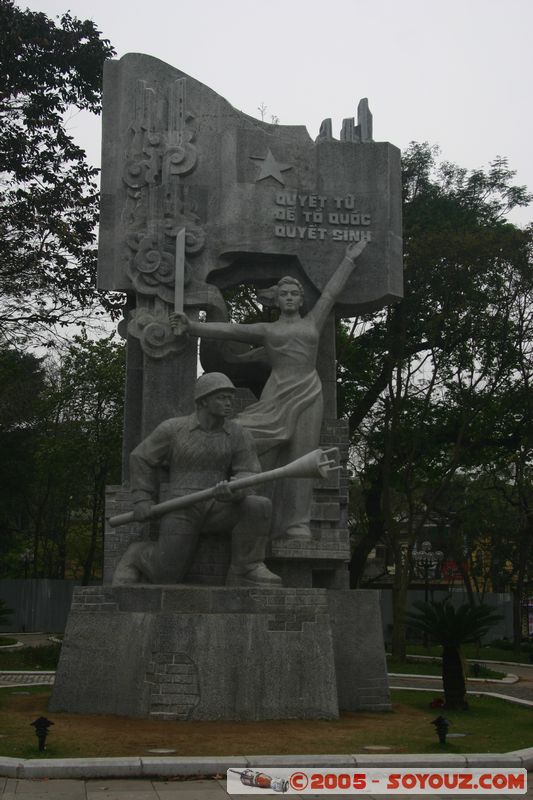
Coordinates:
[195,458]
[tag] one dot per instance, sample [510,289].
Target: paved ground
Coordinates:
[162,790]
[108,789]
[19,678]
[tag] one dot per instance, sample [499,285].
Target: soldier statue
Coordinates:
[202,450]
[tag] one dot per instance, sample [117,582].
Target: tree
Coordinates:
[418,381]
[54,505]
[92,392]
[48,194]
[22,387]
[452,628]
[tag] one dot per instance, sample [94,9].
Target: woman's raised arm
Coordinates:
[333,288]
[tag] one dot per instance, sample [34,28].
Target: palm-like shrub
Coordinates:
[451,628]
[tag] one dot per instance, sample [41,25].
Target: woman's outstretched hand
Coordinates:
[179,323]
[355,249]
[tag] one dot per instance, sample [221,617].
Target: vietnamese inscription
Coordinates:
[313,217]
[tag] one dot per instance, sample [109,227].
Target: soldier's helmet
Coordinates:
[211,382]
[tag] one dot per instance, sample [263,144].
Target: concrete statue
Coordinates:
[287,420]
[237,603]
[201,450]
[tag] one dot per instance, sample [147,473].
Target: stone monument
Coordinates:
[198,198]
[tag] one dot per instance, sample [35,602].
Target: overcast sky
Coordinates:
[456,73]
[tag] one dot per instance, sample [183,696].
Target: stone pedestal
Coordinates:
[204,652]
[359,651]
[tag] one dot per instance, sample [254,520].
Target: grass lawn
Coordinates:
[491,725]
[472,651]
[44,657]
[435,668]
[7,641]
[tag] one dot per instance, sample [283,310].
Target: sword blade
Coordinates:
[179,279]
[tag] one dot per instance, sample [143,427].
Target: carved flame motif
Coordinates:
[141,165]
[194,233]
[180,156]
[153,330]
[194,239]
[141,172]
[151,268]
[150,324]
[156,211]
[135,174]
[155,264]
[180,159]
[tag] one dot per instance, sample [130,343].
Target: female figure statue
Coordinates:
[286,420]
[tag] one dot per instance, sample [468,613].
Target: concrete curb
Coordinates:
[517,700]
[509,678]
[140,767]
[414,657]
[38,673]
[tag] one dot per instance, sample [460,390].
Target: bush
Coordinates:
[44,657]
[506,644]
[7,641]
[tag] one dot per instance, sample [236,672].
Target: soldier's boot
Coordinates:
[257,575]
[248,545]
[128,569]
[300,532]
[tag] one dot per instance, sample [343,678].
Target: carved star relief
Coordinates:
[270,168]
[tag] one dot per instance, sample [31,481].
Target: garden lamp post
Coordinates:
[26,559]
[441,726]
[41,725]
[427,559]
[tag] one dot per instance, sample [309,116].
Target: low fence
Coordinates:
[38,604]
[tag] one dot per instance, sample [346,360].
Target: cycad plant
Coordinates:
[451,628]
